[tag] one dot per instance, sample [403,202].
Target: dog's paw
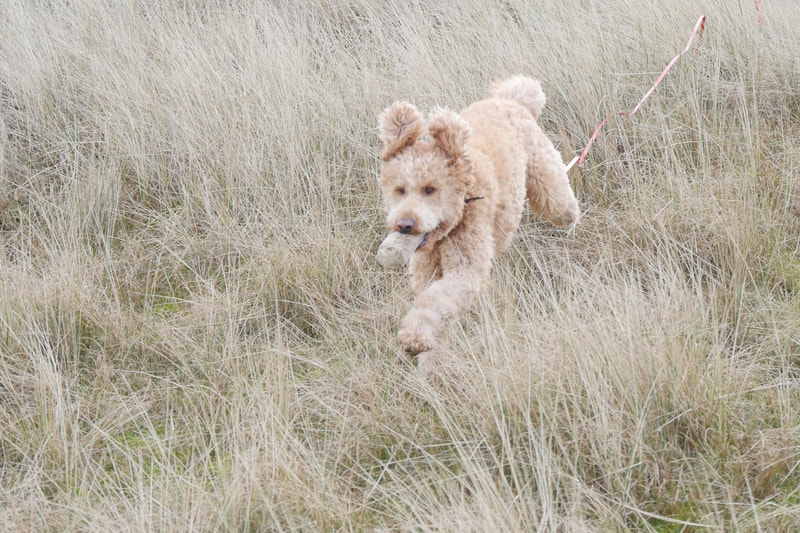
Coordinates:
[416,335]
[415,342]
[571,216]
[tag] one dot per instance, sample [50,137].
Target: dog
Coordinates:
[462,193]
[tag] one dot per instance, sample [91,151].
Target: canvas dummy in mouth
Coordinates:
[396,249]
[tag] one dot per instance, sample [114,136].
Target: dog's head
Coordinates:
[424,183]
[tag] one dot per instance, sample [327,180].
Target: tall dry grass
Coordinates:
[194,334]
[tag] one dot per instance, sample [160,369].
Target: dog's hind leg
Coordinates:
[547,184]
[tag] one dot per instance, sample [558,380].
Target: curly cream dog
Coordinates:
[464,192]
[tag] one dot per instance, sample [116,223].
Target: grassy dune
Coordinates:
[195,335]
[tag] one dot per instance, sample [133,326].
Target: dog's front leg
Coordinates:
[463,276]
[443,298]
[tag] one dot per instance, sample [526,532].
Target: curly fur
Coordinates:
[493,149]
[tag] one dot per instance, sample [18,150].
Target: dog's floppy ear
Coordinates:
[449,131]
[401,125]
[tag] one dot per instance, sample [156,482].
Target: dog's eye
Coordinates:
[401,191]
[429,190]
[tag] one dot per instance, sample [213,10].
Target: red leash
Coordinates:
[699,27]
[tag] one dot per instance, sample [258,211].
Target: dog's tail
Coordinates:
[523,90]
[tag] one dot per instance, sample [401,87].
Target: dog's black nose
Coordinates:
[405,225]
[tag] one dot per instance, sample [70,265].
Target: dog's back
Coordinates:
[502,126]
[524,163]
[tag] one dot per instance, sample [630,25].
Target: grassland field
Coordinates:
[195,334]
